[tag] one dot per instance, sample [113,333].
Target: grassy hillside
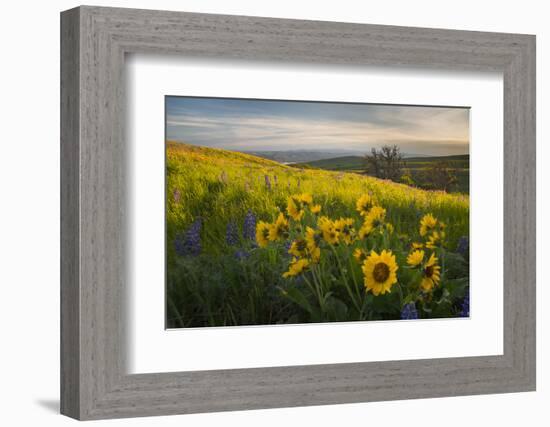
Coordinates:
[345,163]
[215,276]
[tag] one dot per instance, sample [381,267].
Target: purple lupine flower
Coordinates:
[231,234]
[249,226]
[275,179]
[267,182]
[286,245]
[463,247]
[241,254]
[409,311]
[189,242]
[465,307]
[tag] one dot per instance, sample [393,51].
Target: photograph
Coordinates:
[295,212]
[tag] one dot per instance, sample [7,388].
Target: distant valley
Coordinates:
[303,156]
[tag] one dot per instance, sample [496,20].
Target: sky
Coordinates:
[260,125]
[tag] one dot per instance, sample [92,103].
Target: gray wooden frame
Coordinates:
[94,41]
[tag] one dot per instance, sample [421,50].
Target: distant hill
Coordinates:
[307,156]
[416,165]
[350,163]
[297,156]
[345,163]
[459,157]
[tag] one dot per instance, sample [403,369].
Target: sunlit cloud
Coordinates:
[251,125]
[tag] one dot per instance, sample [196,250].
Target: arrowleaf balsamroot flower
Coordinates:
[364,203]
[306,199]
[380,272]
[279,229]
[294,208]
[435,240]
[296,267]
[262,233]
[344,228]
[373,220]
[376,216]
[416,245]
[315,209]
[360,255]
[427,224]
[365,230]
[313,240]
[430,274]
[415,258]
[328,230]
[296,205]
[298,248]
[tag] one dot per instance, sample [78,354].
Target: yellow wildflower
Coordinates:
[427,223]
[279,229]
[360,255]
[344,227]
[380,272]
[376,216]
[262,233]
[328,229]
[306,199]
[315,255]
[294,208]
[415,258]
[298,248]
[435,239]
[364,203]
[313,238]
[315,209]
[297,266]
[297,203]
[431,274]
[416,245]
[365,230]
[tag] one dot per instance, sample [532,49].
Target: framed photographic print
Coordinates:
[262,213]
[271,219]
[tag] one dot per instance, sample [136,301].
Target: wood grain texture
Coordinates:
[94,382]
[70,297]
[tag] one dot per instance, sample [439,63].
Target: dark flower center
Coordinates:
[301,245]
[429,271]
[381,272]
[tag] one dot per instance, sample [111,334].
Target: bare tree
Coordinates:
[386,163]
[440,176]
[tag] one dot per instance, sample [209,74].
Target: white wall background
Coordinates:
[29,212]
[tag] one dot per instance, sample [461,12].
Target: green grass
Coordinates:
[219,287]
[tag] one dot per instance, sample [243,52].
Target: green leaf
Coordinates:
[297,297]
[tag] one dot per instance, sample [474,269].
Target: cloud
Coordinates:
[266,125]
